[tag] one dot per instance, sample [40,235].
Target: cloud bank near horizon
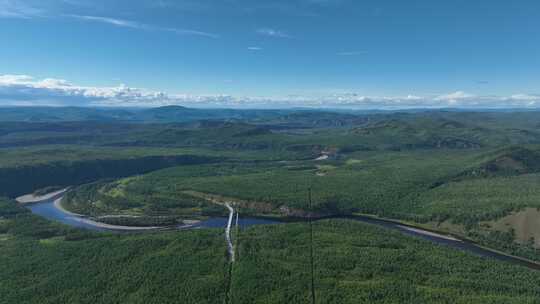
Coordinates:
[24,90]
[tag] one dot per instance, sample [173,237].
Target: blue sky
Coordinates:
[254,53]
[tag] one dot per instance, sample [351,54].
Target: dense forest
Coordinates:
[352,263]
[48,263]
[77,172]
[471,174]
[433,188]
[360,263]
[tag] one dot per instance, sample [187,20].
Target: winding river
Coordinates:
[49,210]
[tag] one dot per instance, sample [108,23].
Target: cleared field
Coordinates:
[524,225]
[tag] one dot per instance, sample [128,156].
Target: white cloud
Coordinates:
[324,2]
[141,26]
[255,48]
[351,53]
[525,97]
[10,79]
[27,90]
[273,33]
[454,99]
[18,9]
[112,21]
[21,9]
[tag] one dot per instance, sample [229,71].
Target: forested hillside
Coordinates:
[352,262]
[473,175]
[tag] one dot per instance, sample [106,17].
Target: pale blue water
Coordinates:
[221,222]
[49,211]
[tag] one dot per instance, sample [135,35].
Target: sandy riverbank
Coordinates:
[322,157]
[429,233]
[82,219]
[31,198]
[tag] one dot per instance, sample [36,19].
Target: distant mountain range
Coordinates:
[296,117]
[177,114]
[161,114]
